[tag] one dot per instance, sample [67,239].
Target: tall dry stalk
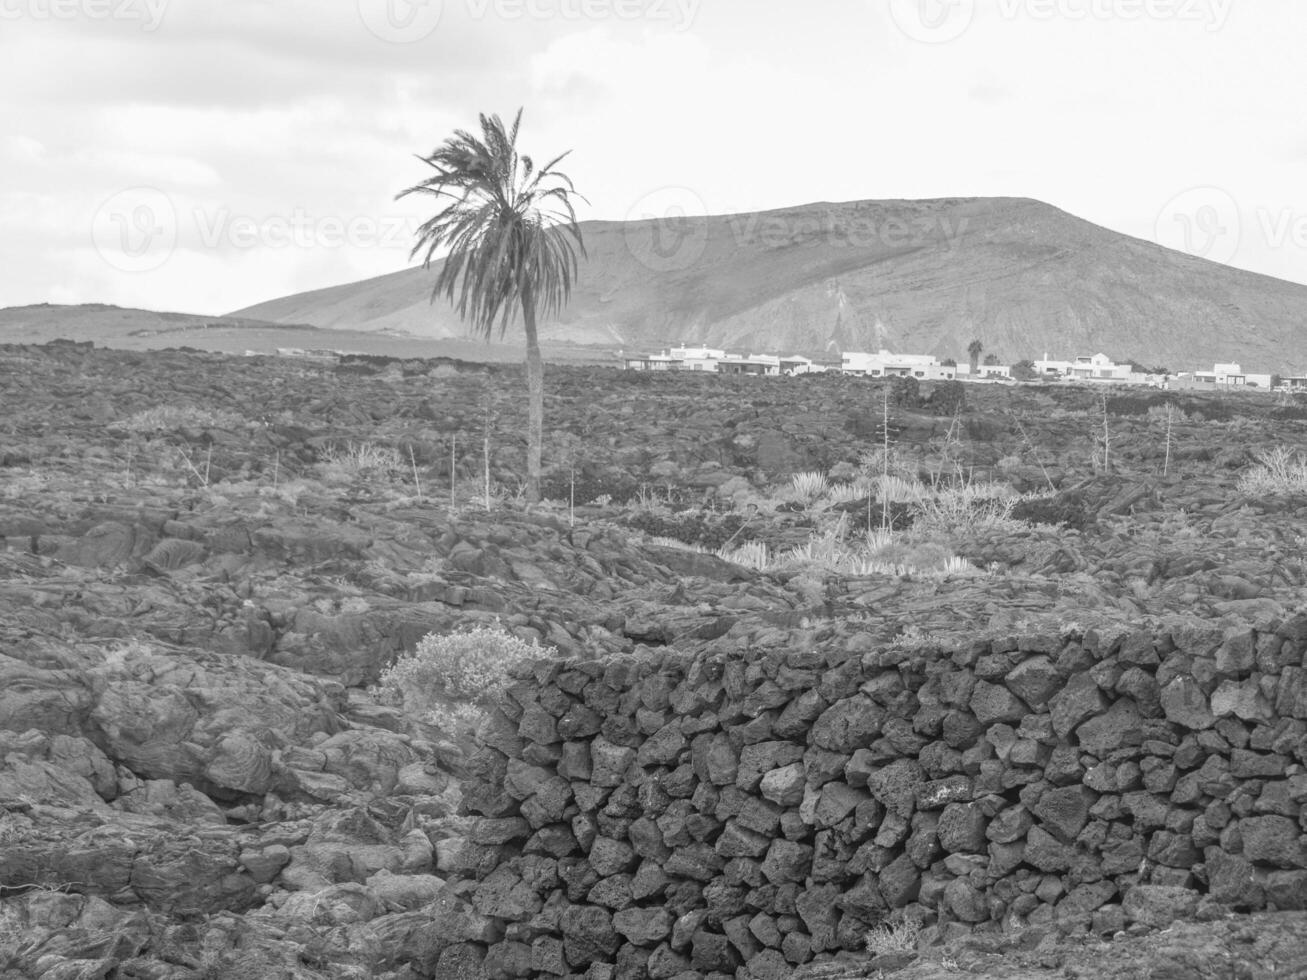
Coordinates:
[412,459]
[1107,436]
[485,441]
[201,478]
[884,460]
[453,472]
[951,440]
[1170,421]
[1025,437]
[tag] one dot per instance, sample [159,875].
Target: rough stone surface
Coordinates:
[193,770]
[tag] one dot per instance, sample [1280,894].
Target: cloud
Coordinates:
[269,114]
[988,93]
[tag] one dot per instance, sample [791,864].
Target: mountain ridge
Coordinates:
[921,276]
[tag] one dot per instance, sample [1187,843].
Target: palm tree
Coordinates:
[512,237]
[973,351]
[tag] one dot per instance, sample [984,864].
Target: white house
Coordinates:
[708,360]
[1222,374]
[986,372]
[1054,369]
[651,362]
[884,364]
[1099,367]
[1086,367]
[702,353]
[698,358]
[1232,375]
[797,364]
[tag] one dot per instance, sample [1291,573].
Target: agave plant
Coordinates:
[809,487]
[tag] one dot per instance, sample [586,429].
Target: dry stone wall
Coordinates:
[745,811]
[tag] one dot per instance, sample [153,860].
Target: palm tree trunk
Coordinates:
[535,399]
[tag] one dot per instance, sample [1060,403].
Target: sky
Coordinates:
[205,155]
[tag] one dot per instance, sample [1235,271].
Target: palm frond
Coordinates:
[509,227]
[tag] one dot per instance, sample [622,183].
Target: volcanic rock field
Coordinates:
[1070,743]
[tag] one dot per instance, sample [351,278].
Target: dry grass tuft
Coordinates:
[897,934]
[360,461]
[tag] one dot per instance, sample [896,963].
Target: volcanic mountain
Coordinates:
[927,276]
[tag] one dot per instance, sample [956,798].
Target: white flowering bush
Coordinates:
[450,679]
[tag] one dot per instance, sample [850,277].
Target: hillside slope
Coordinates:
[132,329]
[915,276]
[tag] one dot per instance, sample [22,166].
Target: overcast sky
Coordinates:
[204,155]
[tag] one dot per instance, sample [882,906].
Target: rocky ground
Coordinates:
[207,560]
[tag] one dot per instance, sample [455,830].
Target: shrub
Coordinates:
[897,489]
[898,933]
[809,488]
[905,392]
[1277,471]
[964,508]
[363,460]
[1168,411]
[752,554]
[450,679]
[847,493]
[948,398]
[1024,370]
[832,552]
[590,483]
[710,531]
[909,552]
[876,462]
[826,549]
[172,418]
